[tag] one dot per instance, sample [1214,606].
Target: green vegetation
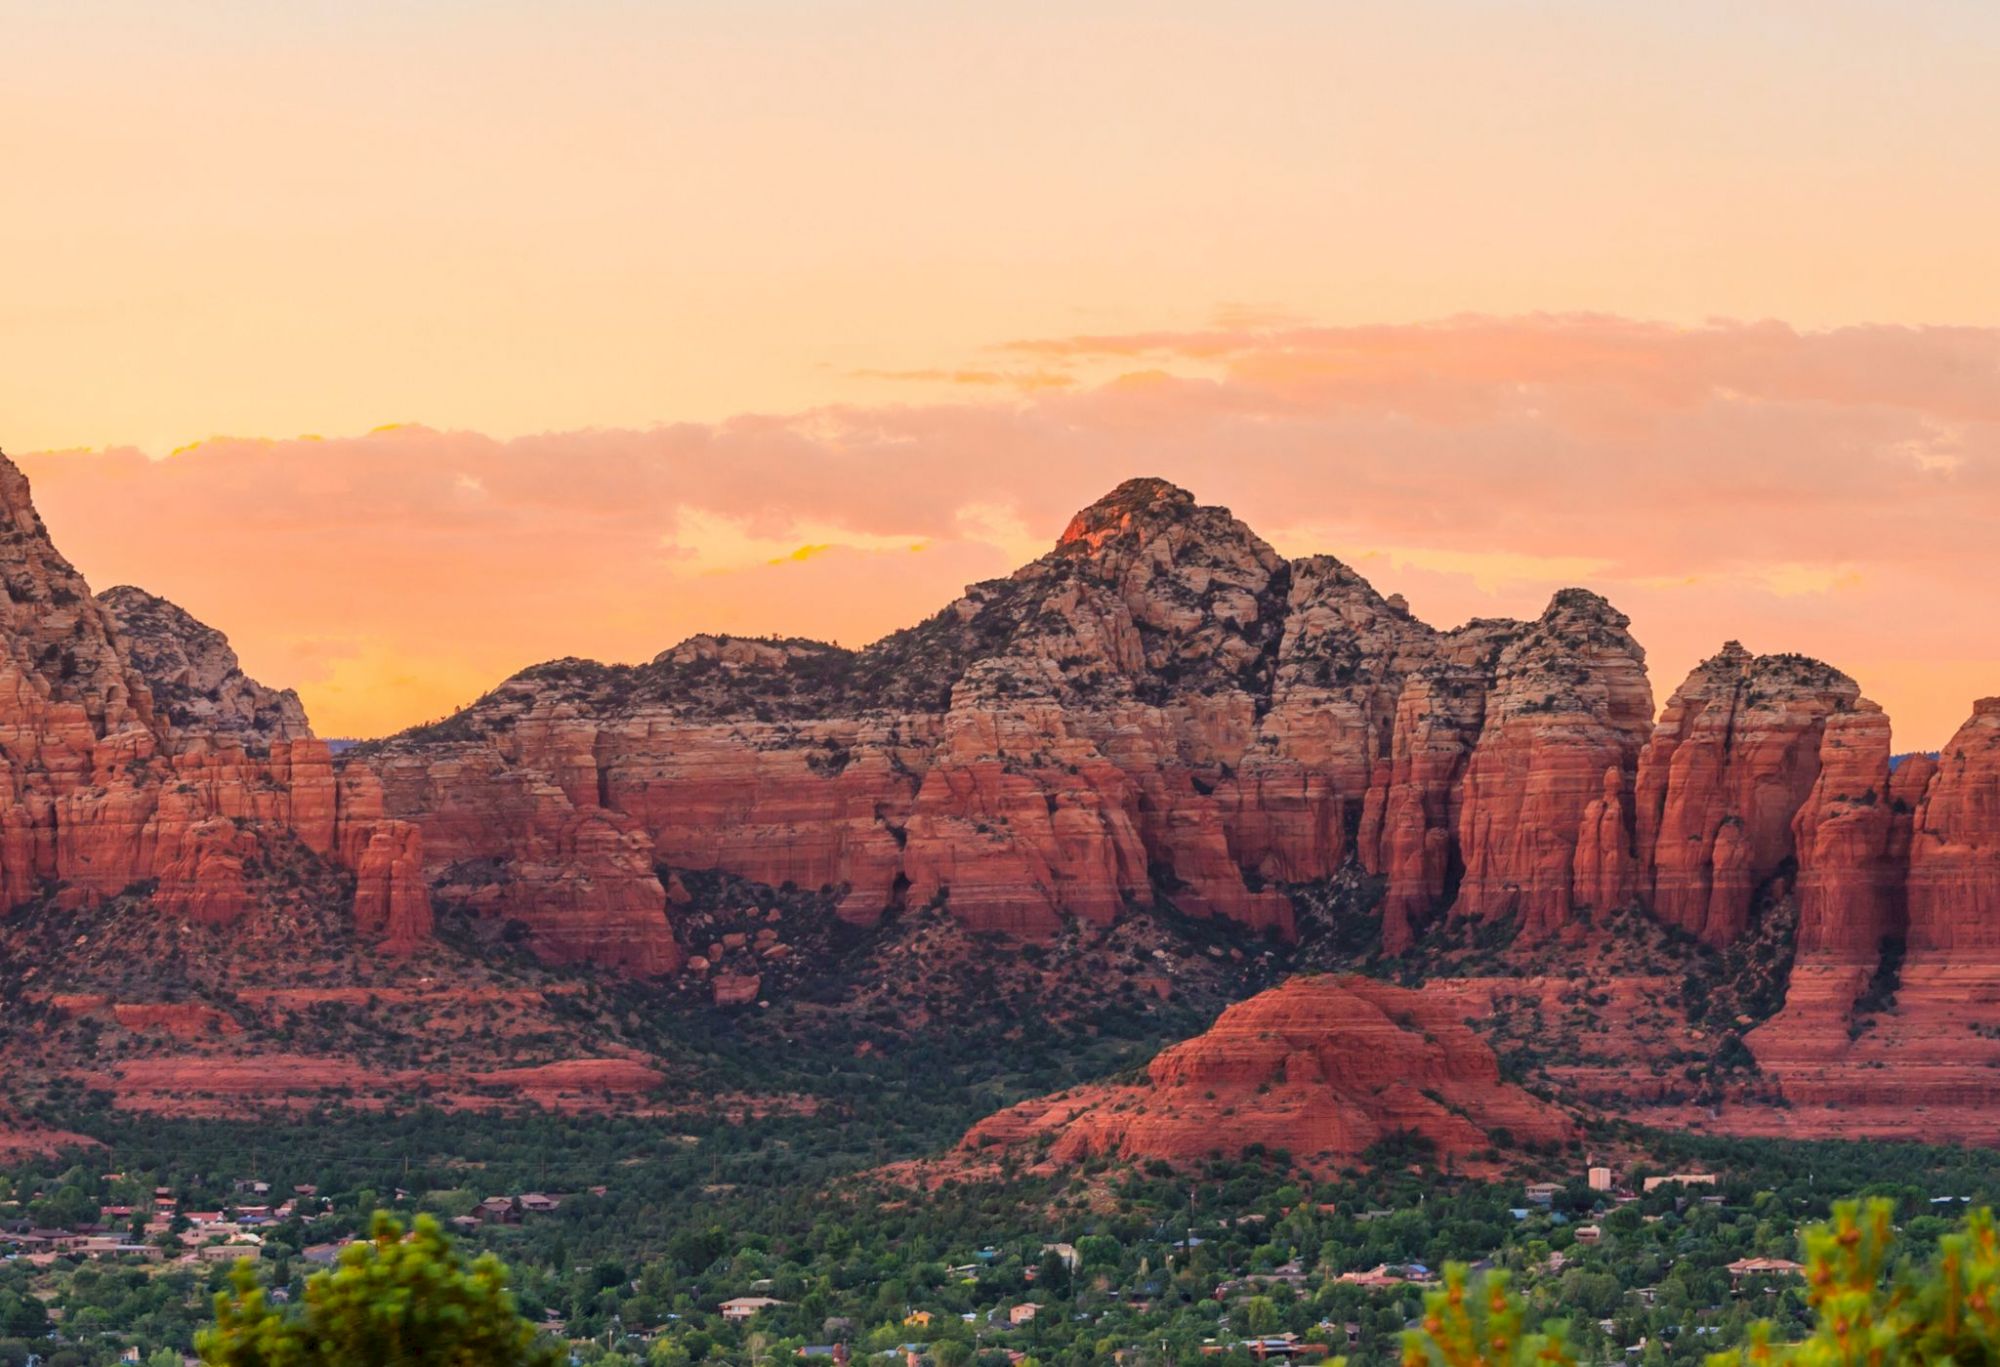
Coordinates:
[768,1166]
[391,1300]
[694,1213]
[1945,1310]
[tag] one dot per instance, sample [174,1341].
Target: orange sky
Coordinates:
[973,266]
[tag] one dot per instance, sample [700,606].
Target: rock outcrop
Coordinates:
[1324,1068]
[136,756]
[1954,856]
[1853,836]
[198,684]
[1730,766]
[1568,702]
[1891,1021]
[1162,706]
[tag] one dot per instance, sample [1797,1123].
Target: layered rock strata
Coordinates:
[1162,706]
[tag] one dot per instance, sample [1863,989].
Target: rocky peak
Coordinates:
[1148,524]
[1147,593]
[1735,756]
[198,684]
[1135,501]
[54,631]
[1765,680]
[1577,657]
[744,652]
[1580,610]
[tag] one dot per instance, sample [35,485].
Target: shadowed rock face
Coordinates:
[1323,1068]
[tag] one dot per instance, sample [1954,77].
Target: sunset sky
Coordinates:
[572,329]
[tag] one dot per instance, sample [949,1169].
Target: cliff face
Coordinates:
[1732,762]
[1954,855]
[1324,1068]
[1160,708]
[134,751]
[1164,706]
[1568,704]
[1891,1025]
[1160,705]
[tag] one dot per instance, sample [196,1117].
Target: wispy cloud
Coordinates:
[1027,381]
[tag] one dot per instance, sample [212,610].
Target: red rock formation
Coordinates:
[1159,705]
[1908,857]
[1042,749]
[1321,1067]
[227,1086]
[1323,749]
[1569,699]
[197,683]
[1160,708]
[1439,715]
[1852,837]
[1954,880]
[187,1020]
[1731,763]
[135,752]
[1604,859]
[734,989]
[391,901]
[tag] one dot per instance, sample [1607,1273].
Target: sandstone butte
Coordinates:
[1160,707]
[1322,1067]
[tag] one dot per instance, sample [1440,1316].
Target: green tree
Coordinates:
[1949,1313]
[1480,1327]
[392,1300]
[1864,1316]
